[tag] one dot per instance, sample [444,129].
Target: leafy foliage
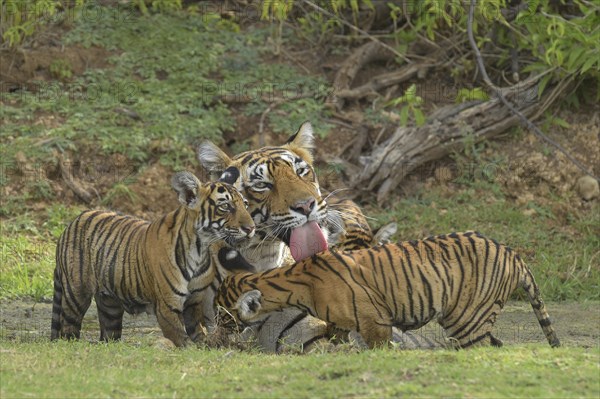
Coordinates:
[412,106]
[559,40]
[163,93]
[22,18]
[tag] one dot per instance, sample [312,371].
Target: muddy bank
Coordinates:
[577,324]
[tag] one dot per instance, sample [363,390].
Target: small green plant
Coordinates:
[317,28]
[61,69]
[40,190]
[158,5]
[119,191]
[412,106]
[476,94]
[59,216]
[22,18]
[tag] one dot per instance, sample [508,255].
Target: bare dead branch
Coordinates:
[411,146]
[365,54]
[77,188]
[381,81]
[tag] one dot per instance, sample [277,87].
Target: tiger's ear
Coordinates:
[212,158]
[188,188]
[249,304]
[303,140]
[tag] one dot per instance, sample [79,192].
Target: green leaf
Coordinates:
[477,93]
[411,92]
[588,64]
[404,116]
[419,117]
[574,56]
[560,122]
[543,83]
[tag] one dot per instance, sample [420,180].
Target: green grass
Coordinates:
[79,369]
[27,250]
[564,258]
[169,69]
[170,72]
[26,268]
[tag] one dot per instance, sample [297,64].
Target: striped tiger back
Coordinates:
[349,229]
[462,280]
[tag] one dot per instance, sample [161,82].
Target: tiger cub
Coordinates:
[462,280]
[129,264]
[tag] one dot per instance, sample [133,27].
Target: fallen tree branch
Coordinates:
[381,81]
[365,54]
[79,191]
[411,146]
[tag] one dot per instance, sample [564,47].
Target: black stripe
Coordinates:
[430,303]
[545,322]
[113,265]
[171,286]
[180,256]
[407,281]
[328,267]
[459,286]
[474,341]
[313,340]
[376,305]
[126,266]
[276,286]
[290,325]
[174,216]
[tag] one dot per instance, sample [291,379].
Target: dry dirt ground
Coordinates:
[577,324]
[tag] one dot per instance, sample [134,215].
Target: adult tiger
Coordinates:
[284,197]
[462,280]
[349,230]
[129,264]
[286,203]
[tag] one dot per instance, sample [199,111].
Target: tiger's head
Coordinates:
[217,209]
[282,190]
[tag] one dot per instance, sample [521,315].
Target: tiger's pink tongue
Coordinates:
[307,240]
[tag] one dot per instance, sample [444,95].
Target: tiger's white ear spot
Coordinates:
[304,138]
[231,254]
[248,305]
[212,158]
[187,187]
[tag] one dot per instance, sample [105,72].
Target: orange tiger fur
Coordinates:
[462,280]
[129,264]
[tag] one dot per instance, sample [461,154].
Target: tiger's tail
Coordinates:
[56,306]
[533,292]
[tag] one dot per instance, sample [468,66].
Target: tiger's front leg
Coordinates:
[199,315]
[171,323]
[199,310]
